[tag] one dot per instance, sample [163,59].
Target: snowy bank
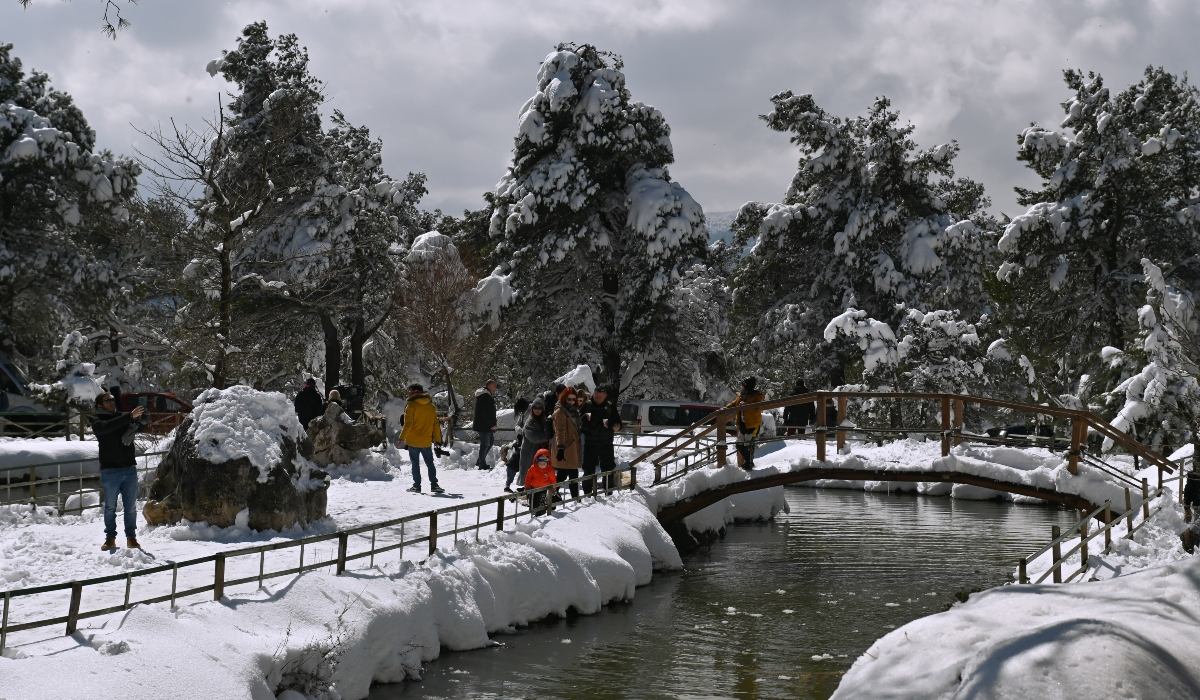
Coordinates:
[379,625]
[1133,636]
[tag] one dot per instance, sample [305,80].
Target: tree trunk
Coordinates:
[452,402]
[358,372]
[333,352]
[612,374]
[225,322]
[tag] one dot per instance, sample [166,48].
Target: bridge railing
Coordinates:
[952,419]
[216,572]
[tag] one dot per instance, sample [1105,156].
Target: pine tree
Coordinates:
[62,207]
[1121,182]
[592,231]
[869,222]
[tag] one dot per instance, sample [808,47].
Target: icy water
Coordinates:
[849,566]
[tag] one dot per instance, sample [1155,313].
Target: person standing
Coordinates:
[798,416]
[484,422]
[538,431]
[421,430]
[115,430]
[540,474]
[568,455]
[749,421]
[308,402]
[599,421]
[513,464]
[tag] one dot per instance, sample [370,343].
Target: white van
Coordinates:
[646,416]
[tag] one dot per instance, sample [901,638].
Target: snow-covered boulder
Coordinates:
[237,452]
[335,439]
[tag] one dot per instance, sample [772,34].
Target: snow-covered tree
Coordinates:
[61,207]
[593,233]
[1121,182]
[869,222]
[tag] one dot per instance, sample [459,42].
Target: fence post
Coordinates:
[945,426]
[1160,473]
[433,532]
[1073,455]
[343,545]
[4,621]
[1145,499]
[219,577]
[1022,576]
[500,515]
[1128,514]
[73,611]
[820,426]
[1083,541]
[722,453]
[632,478]
[959,420]
[841,418]
[1056,551]
[1107,521]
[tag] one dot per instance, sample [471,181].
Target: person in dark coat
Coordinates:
[484,421]
[800,415]
[831,412]
[513,464]
[550,398]
[114,430]
[598,421]
[308,402]
[537,430]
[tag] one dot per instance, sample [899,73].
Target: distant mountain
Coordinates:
[720,224]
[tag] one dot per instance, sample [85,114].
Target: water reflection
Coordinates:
[776,610]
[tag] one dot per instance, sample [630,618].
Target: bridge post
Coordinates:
[841,418]
[945,426]
[959,416]
[820,426]
[1077,427]
[1056,556]
[722,452]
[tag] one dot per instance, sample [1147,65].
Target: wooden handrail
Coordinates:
[1091,420]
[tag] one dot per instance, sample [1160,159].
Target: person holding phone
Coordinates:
[114,430]
[599,421]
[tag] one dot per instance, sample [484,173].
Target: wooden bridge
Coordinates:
[704,444]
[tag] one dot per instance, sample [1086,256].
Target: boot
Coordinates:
[132,543]
[109,544]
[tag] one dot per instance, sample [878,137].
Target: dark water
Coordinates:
[850,566]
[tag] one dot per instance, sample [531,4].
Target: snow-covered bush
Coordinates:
[869,222]
[590,227]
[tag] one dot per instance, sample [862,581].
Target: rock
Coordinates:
[186,485]
[333,439]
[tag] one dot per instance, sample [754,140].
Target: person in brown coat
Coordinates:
[568,456]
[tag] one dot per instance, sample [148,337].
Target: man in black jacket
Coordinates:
[599,419]
[484,421]
[114,430]
[308,403]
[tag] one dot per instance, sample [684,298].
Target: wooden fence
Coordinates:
[217,572]
[23,484]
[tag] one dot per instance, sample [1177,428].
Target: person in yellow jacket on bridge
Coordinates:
[749,421]
[421,430]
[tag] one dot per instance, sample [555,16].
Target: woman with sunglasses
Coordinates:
[540,474]
[568,455]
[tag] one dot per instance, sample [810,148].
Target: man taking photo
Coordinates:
[114,430]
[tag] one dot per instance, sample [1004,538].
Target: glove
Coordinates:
[561,453]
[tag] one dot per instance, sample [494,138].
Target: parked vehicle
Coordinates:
[166,411]
[646,415]
[14,389]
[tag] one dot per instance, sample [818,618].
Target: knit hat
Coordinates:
[750,383]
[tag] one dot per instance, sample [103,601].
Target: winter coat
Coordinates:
[751,419]
[109,428]
[308,405]
[421,427]
[540,476]
[592,419]
[800,414]
[550,400]
[537,432]
[566,436]
[485,411]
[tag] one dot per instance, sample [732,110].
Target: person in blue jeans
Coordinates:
[421,430]
[114,430]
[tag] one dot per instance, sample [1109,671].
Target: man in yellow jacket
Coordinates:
[421,430]
[749,422]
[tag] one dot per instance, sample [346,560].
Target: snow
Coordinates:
[389,619]
[18,452]
[240,422]
[582,374]
[1133,636]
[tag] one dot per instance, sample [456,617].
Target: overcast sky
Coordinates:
[441,82]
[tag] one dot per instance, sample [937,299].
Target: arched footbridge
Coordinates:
[1088,484]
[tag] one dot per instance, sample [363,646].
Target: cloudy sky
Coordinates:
[441,82]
